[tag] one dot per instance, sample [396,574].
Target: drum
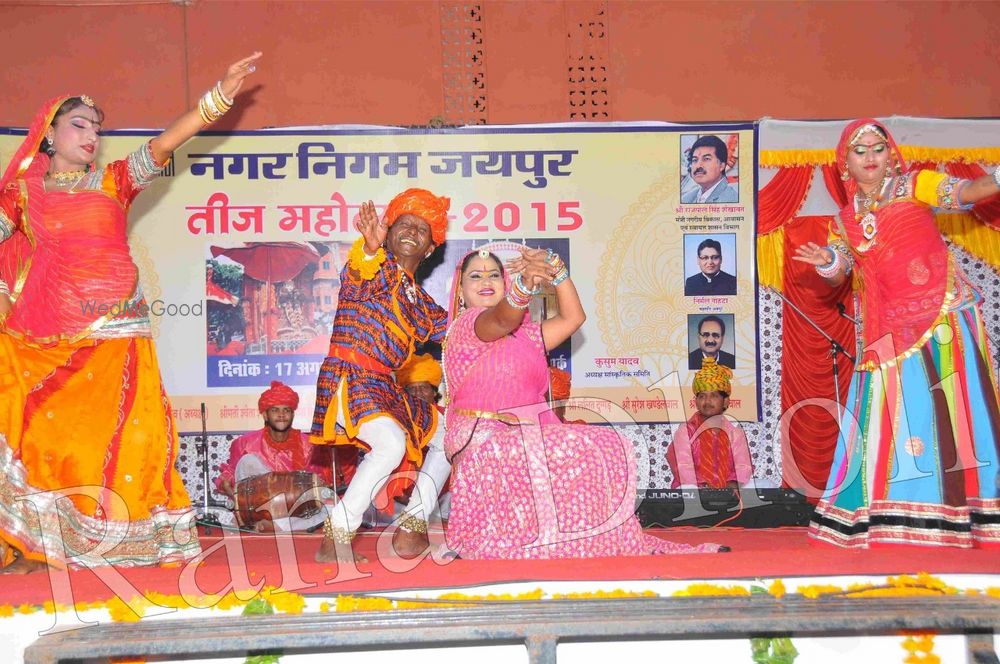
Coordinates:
[298,489]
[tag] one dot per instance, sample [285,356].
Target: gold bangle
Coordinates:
[207,109]
[228,101]
[219,100]
[201,112]
[207,116]
[210,104]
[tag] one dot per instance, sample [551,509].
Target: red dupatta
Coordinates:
[903,273]
[69,254]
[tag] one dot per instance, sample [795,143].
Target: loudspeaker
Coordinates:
[761,508]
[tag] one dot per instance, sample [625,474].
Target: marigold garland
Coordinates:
[920,649]
[366,266]
[710,590]
[778,650]
[911,153]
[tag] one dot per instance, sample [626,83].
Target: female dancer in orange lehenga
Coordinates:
[83,412]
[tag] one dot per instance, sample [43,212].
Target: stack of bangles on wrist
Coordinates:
[214,104]
[562,272]
[996,175]
[518,295]
[830,269]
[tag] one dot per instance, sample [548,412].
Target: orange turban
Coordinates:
[279,395]
[560,381]
[421,203]
[712,377]
[419,369]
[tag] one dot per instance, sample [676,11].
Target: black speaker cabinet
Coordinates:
[761,508]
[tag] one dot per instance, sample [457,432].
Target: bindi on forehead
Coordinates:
[485,266]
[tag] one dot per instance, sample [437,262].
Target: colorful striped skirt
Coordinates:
[918,459]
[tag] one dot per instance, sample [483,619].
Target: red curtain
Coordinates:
[811,433]
[987,211]
[780,199]
[834,185]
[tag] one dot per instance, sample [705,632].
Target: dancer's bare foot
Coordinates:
[409,544]
[22,565]
[328,553]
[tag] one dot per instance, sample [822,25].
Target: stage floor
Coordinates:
[245,560]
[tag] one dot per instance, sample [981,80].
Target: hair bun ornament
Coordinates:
[88,100]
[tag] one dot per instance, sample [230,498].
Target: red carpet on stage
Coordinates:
[250,559]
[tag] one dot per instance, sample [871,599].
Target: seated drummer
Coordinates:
[277,447]
[709,451]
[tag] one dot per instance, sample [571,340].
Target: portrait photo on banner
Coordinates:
[711,335]
[709,168]
[710,266]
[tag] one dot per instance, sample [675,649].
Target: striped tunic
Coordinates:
[381,318]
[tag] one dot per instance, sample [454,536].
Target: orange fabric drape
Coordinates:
[914,166]
[987,211]
[806,367]
[780,199]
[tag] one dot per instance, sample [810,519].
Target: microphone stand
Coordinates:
[207,516]
[835,347]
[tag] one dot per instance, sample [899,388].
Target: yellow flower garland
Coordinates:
[804,157]
[920,649]
[366,266]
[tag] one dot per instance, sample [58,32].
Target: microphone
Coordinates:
[843,312]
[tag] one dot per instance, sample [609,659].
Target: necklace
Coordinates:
[409,289]
[63,178]
[866,208]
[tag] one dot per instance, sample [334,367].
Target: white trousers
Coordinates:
[250,465]
[387,441]
[433,474]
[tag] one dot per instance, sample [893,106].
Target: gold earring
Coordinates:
[845,176]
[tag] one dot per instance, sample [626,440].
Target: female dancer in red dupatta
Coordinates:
[918,455]
[82,407]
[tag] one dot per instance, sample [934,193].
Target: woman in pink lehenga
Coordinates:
[525,485]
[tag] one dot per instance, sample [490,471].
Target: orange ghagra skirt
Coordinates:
[87,451]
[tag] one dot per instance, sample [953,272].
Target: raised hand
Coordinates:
[232,80]
[371,227]
[528,255]
[5,306]
[532,267]
[813,254]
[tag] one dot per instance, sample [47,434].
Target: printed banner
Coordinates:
[241,245]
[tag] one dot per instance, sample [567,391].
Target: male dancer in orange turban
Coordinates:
[381,313]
